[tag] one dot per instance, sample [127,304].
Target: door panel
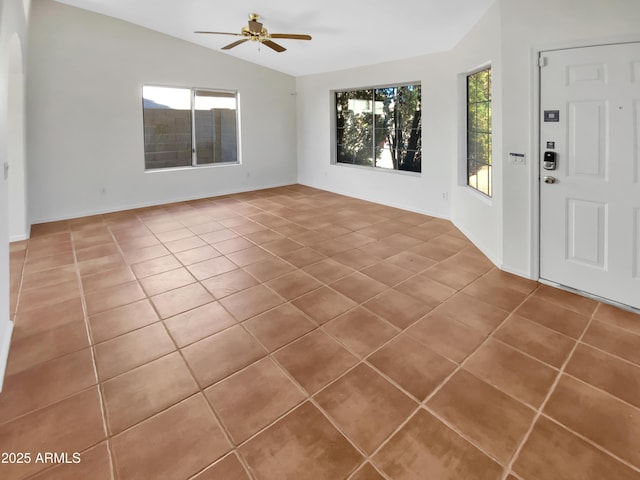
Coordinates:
[590,204]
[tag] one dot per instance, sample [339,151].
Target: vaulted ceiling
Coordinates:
[346,33]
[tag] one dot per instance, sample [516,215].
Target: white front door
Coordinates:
[590,203]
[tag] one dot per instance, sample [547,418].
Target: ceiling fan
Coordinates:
[257,33]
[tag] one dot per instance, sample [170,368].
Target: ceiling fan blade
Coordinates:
[235,44]
[274,46]
[255,27]
[293,36]
[220,33]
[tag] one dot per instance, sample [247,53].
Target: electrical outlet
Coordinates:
[517,159]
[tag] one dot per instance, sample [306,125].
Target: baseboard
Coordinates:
[5,342]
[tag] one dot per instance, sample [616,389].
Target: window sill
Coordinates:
[192,167]
[377,169]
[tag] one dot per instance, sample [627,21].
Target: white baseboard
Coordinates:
[5,341]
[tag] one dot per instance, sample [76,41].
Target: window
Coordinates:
[479,155]
[189,127]
[379,127]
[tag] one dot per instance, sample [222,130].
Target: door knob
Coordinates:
[550,179]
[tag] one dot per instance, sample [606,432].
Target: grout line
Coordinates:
[551,391]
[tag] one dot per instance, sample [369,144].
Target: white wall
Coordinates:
[13,33]
[507,36]
[84,116]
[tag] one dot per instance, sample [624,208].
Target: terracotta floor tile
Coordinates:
[131,350]
[195,255]
[49,295]
[509,280]
[315,360]
[473,312]
[551,453]
[253,398]
[261,237]
[121,320]
[222,354]
[282,246]
[358,287]
[619,318]
[492,419]
[553,316]
[96,251]
[366,472]
[41,319]
[134,242]
[303,256]
[31,350]
[424,444]
[324,304]
[426,290]
[228,283]
[229,467]
[212,267]
[333,246]
[433,251]
[292,447]
[328,270]
[146,390]
[411,261]
[598,416]
[456,278]
[512,372]
[185,244]
[196,439]
[502,297]
[294,284]
[206,227]
[233,245]
[249,255]
[163,282]
[568,300]
[39,264]
[196,324]
[113,297]
[101,264]
[95,463]
[538,341]
[361,331]
[356,258]
[310,238]
[55,276]
[71,425]
[446,336]
[181,300]
[146,253]
[618,377]
[173,235]
[154,266]
[387,273]
[108,278]
[412,366]
[251,302]
[365,406]
[268,269]
[279,326]
[397,308]
[614,340]
[45,384]
[218,236]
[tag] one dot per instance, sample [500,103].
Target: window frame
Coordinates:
[488,195]
[334,128]
[194,158]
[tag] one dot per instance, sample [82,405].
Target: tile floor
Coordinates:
[297,334]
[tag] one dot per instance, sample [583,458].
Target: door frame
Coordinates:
[535,136]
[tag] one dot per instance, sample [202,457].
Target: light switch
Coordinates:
[517,159]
